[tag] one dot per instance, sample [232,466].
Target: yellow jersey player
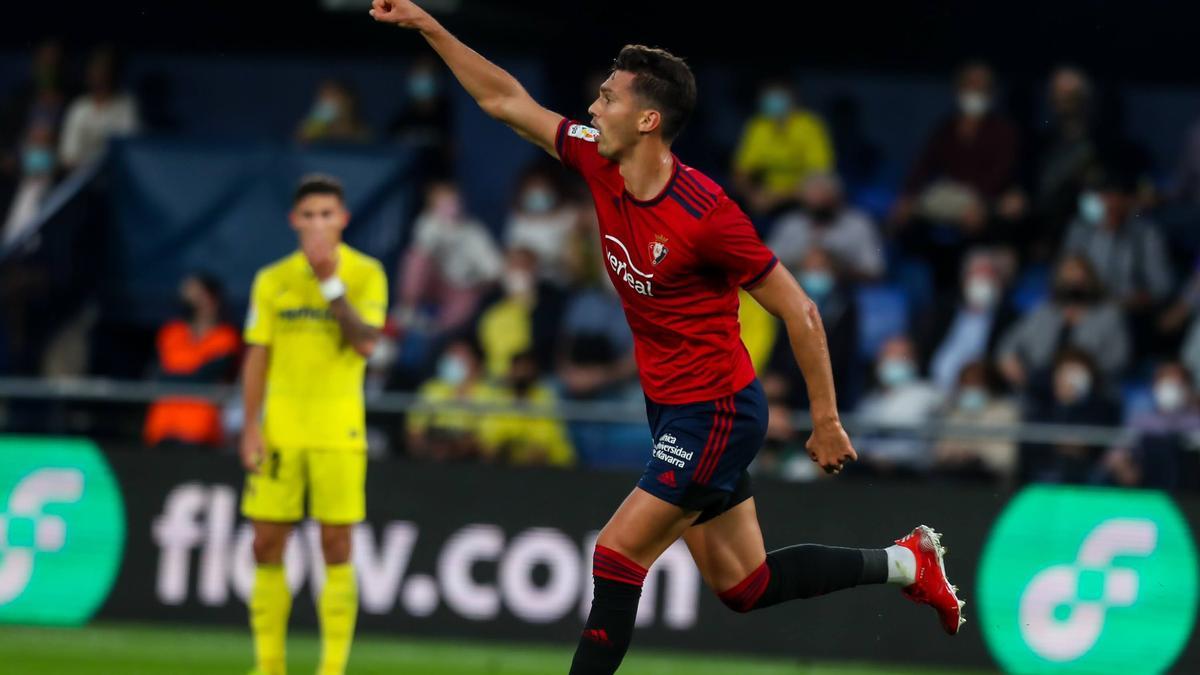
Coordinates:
[314,319]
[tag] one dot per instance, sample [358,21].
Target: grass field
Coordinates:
[119,649]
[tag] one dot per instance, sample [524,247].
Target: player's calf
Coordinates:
[807,571]
[609,629]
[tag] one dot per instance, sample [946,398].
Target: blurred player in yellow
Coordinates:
[314,319]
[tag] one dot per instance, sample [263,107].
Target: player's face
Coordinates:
[320,217]
[618,115]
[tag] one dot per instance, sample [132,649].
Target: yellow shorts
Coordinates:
[335,481]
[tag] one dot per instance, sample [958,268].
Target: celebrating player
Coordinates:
[677,249]
[314,318]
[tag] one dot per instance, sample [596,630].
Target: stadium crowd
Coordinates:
[1023,273]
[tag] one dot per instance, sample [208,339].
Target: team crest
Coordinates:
[658,249]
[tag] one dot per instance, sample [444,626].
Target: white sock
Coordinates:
[902,565]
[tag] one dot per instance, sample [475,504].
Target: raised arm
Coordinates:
[498,93]
[781,295]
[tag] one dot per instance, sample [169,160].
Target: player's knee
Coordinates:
[268,548]
[335,544]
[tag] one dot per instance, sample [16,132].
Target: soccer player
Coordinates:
[677,249]
[314,319]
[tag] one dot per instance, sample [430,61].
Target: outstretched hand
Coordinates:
[829,446]
[403,13]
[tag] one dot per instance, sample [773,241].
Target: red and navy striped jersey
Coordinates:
[677,261]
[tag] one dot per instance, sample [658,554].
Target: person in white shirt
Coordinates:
[98,115]
[827,222]
[901,399]
[452,260]
[543,221]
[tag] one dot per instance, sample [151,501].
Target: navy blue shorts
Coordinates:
[701,451]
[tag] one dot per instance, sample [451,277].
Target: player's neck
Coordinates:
[647,169]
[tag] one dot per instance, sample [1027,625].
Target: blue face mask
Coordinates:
[452,370]
[774,104]
[817,283]
[422,87]
[538,200]
[325,111]
[1091,208]
[37,161]
[896,372]
[972,399]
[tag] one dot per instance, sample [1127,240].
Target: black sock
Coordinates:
[609,628]
[806,571]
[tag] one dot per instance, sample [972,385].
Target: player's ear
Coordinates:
[651,120]
[294,220]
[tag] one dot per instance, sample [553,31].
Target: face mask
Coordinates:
[537,200]
[1073,294]
[452,370]
[422,87]
[973,103]
[1091,208]
[981,293]
[896,372]
[37,161]
[1079,380]
[822,215]
[1169,395]
[325,111]
[774,104]
[972,399]
[187,310]
[817,283]
[518,283]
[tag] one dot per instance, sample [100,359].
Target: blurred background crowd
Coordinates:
[999,253]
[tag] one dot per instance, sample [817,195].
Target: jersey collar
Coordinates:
[661,195]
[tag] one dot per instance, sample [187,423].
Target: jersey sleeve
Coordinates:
[371,300]
[260,318]
[730,243]
[576,145]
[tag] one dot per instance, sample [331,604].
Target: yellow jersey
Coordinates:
[783,154]
[314,396]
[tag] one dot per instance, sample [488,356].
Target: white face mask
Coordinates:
[973,103]
[981,293]
[896,372]
[1169,395]
[1079,380]
[518,283]
[1091,208]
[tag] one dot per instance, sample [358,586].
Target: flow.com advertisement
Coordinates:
[1057,579]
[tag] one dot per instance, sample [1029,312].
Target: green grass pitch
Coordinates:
[120,649]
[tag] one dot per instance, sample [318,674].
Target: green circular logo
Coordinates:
[62,530]
[1088,580]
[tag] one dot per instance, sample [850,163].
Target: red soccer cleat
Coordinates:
[932,587]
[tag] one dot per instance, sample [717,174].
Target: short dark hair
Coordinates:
[318,184]
[662,79]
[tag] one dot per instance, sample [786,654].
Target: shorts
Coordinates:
[701,451]
[335,481]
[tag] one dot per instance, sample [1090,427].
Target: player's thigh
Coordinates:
[644,526]
[275,493]
[729,547]
[337,486]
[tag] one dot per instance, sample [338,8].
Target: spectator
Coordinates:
[1172,323]
[963,187]
[1186,186]
[450,264]
[1190,355]
[334,116]
[545,222]
[1075,396]
[1126,251]
[520,439]
[977,402]
[783,456]
[102,113]
[779,148]
[965,328]
[199,348]
[900,399]
[38,164]
[425,122]
[1078,315]
[1164,453]
[36,103]
[826,221]
[595,350]
[524,314]
[439,431]
[821,278]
